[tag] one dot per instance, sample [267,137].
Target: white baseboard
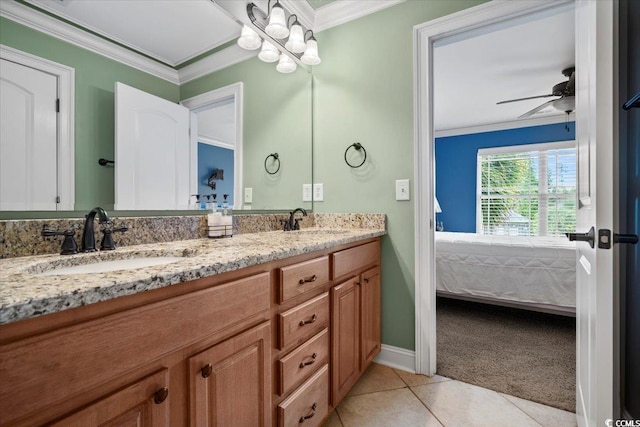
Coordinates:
[396,357]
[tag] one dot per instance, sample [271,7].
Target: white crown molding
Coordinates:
[216,143]
[219,60]
[40,22]
[343,11]
[492,127]
[304,11]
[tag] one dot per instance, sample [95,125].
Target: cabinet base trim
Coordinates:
[396,357]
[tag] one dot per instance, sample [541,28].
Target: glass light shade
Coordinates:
[269,52]
[295,43]
[286,64]
[566,104]
[249,39]
[277,27]
[310,56]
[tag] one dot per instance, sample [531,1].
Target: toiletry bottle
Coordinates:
[225,204]
[196,204]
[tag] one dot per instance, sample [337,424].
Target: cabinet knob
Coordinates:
[366,280]
[308,279]
[311,362]
[306,322]
[313,412]
[160,395]
[358,283]
[206,370]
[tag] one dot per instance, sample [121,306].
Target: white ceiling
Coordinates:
[515,60]
[169,31]
[472,71]
[218,123]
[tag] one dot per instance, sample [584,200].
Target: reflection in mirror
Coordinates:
[216,154]
[277,116]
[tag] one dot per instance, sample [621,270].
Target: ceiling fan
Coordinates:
[565,90]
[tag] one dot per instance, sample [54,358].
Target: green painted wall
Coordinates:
[277,119]
[364,93]
[95,76]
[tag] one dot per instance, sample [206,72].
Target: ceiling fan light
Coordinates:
[249,39]
[310,56]
[268,53]
[566,104]
[295,43]
[277,27]
[286,64]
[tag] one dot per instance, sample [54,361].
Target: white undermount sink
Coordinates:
[99,266]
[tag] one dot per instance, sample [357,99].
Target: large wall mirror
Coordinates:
[276,116]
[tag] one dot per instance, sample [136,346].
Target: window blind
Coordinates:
[530,192]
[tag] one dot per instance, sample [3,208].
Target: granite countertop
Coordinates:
[25,292]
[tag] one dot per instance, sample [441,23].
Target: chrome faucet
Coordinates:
[88,235]
[292,223]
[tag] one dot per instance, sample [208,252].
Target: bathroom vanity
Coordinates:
[264,329]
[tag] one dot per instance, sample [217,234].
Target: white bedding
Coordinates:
[536,270]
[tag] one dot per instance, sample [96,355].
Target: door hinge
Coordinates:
[58,105]
[57,199]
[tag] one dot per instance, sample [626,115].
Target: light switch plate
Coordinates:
[248,195]
[402,189]
[318,192]
[307,192]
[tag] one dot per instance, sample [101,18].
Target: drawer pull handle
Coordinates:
[311,362]
[358,283]
[206,370]
[160,395]
[306,322]
[313,412]
[308,279]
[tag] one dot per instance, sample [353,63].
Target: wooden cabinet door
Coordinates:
[370,316]
[143,403]
[345,332]
[230,383]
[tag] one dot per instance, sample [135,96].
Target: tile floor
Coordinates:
[391,397]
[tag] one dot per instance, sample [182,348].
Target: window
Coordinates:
[527,190]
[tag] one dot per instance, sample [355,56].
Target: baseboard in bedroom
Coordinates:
[396,357]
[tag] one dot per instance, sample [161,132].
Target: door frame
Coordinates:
[424,37]
[65,119]
[201,102]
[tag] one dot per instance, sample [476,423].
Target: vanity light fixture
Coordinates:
[249,39]
[282,37]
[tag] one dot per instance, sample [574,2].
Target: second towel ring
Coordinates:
[276,158]
[358,147]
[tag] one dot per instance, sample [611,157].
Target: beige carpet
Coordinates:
[522,353]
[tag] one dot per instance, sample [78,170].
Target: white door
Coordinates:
[152,152]
[596,139]
[28,138]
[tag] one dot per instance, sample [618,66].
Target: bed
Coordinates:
[537,273]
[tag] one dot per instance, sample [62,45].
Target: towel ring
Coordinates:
[276,158]
[358,147]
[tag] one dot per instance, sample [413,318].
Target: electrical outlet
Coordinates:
[402,189]
[248,195]
[307,192]
[318,192]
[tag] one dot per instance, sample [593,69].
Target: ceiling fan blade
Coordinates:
[535,110]
[524,99]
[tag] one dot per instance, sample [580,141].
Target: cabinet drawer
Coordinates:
[303,321]
[303,277]
[354,259]
[302,362]
[308,405]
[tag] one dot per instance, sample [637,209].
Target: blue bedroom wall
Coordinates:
[456,163]
[211,157]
